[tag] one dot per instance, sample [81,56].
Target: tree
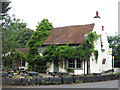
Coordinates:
[23,36]
[114,42]
[41,33]
[36,40]
[5,8]
[5,27]
[4,12]
[15,34]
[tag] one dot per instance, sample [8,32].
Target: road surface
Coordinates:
[103,84]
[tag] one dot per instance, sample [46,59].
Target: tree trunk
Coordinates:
[21,62]
[18,62]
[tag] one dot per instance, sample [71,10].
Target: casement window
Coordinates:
[78,63]
[74,63]
[71,63]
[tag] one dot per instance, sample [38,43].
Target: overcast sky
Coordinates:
[67,12]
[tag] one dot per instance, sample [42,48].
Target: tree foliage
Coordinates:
[38,37]
[23,36]
[5,8]
[15,34]
[114,42]
[32,53]
[17,54]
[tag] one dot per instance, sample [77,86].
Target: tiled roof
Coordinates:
[65,35]
[23,50]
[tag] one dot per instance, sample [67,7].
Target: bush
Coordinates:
[29,81]
[55,80]
[66,80]
[13,81]
[42,81]
[77,79]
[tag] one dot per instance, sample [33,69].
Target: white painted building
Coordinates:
[75,35]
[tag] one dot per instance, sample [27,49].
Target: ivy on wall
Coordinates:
[65,52]
[96,55]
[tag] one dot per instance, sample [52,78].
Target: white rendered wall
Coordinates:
[98,67]
[108,64]
[98,25]
[78,72]
[94,66]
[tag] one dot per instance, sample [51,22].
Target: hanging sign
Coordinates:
[110,51]
[113,57]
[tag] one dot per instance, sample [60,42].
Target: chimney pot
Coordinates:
[102,28]
[96,13]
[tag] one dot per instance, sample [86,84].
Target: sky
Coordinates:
[67,12]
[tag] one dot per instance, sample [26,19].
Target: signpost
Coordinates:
[112,62]
[111,53]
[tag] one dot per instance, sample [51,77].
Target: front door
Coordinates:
[56,66]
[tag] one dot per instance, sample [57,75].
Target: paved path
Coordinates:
[103,84]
